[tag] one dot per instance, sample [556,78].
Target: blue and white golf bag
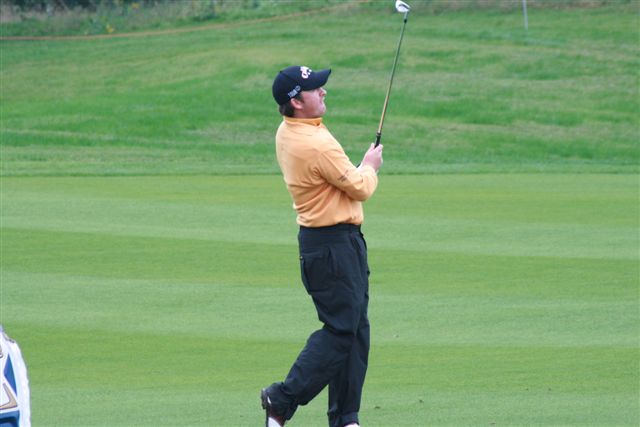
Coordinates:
[14,390]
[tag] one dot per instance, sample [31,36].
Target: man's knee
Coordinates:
[346,322]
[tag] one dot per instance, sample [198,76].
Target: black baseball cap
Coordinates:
[293,80]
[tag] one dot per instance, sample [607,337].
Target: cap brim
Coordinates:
[319,79]
[323,76]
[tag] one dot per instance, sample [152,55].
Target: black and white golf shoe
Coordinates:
[271,418]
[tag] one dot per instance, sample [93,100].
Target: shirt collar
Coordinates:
[317,121]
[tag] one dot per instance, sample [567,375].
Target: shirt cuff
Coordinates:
[364,168]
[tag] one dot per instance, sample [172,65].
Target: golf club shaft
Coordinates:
[393,71]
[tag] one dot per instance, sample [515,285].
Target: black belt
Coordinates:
[329,228]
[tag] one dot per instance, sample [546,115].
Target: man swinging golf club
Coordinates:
[327,191]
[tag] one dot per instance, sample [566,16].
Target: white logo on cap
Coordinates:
[305,72]
[294,92]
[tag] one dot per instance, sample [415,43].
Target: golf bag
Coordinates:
[14,390]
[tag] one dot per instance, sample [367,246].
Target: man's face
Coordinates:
[312,103]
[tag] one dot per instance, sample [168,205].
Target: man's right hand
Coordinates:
[373,157]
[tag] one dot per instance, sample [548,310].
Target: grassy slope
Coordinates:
[118,18]
[505,299]
[473,93]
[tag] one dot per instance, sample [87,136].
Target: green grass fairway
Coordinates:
[496,299]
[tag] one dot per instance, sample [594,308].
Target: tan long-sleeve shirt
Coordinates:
[326,188]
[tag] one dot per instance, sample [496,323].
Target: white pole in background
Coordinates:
[524,11]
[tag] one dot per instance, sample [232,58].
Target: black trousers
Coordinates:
[335,273]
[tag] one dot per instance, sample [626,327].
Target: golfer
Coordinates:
[327,192]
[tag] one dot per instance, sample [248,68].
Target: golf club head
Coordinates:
[402,7]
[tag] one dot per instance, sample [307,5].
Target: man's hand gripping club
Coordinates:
[373,157]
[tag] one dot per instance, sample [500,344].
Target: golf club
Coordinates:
[401,7]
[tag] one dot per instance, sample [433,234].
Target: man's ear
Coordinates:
[296,104]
